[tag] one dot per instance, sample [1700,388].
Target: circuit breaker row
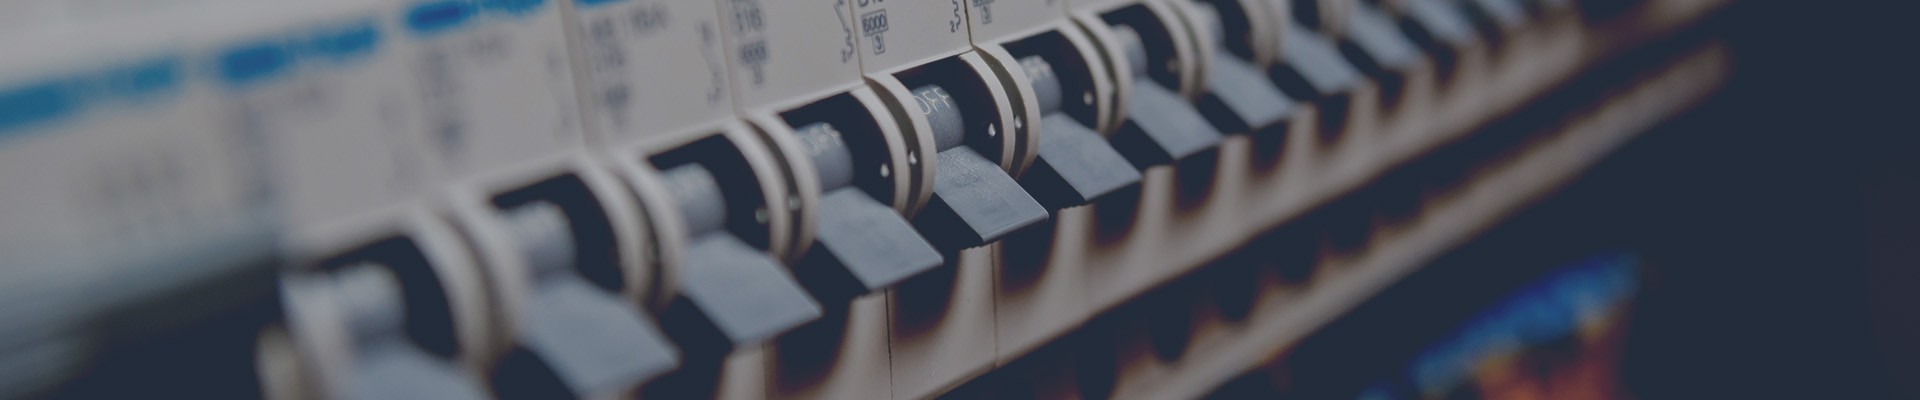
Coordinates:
[687,198]
[1251,307]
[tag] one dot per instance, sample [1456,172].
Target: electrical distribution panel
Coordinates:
[700,198]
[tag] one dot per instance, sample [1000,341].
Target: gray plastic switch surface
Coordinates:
[1376,34]
[1132,47]
[1047,92]
[736,289]
[1167,126]
[370,304]
[869,241]
[1443,20]
[1075,164]
[594,345]
[579,340]
[1317,61]
[542,231]
[974,201]
[741,291]
[1251,99]
[860,245]
[948,123]
[369,299]
[832,159]
[698,196]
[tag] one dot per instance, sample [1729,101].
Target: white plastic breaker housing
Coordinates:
[106,144]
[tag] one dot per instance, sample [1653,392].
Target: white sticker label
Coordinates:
[492,80]
[785,50]
[902,33]
[330,107]
[102,153]
[651,66]
[998,20]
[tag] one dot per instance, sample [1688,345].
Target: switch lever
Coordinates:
[860,245]
[1380,49]
[576,339]
[974,201]
[1444,22]
[1162,126]
[1250,100]
[731,294]
[353,321]
[1075,165]
[1315,65]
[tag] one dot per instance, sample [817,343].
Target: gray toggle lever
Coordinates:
[860,245]
[731,294]
[1162,127]
[1317,63]
[1508,14]
[1443,20]
[576,340]
[1385,46]
[1250,100]
[364,305]
[974,201]
[1075,165]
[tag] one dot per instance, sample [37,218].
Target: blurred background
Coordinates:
[1769,232]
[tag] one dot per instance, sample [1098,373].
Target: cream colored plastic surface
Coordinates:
[941,332]
[1192,44]
[845,357]
[493,90]
[786,51]
[1022,112]
[1279,15]
[893,101]
[136,162]
[650,68]
[339,132]
[904,33]
[1001,20]
[1111,57]
[1078,6]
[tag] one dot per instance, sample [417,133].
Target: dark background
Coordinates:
[1778,222]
